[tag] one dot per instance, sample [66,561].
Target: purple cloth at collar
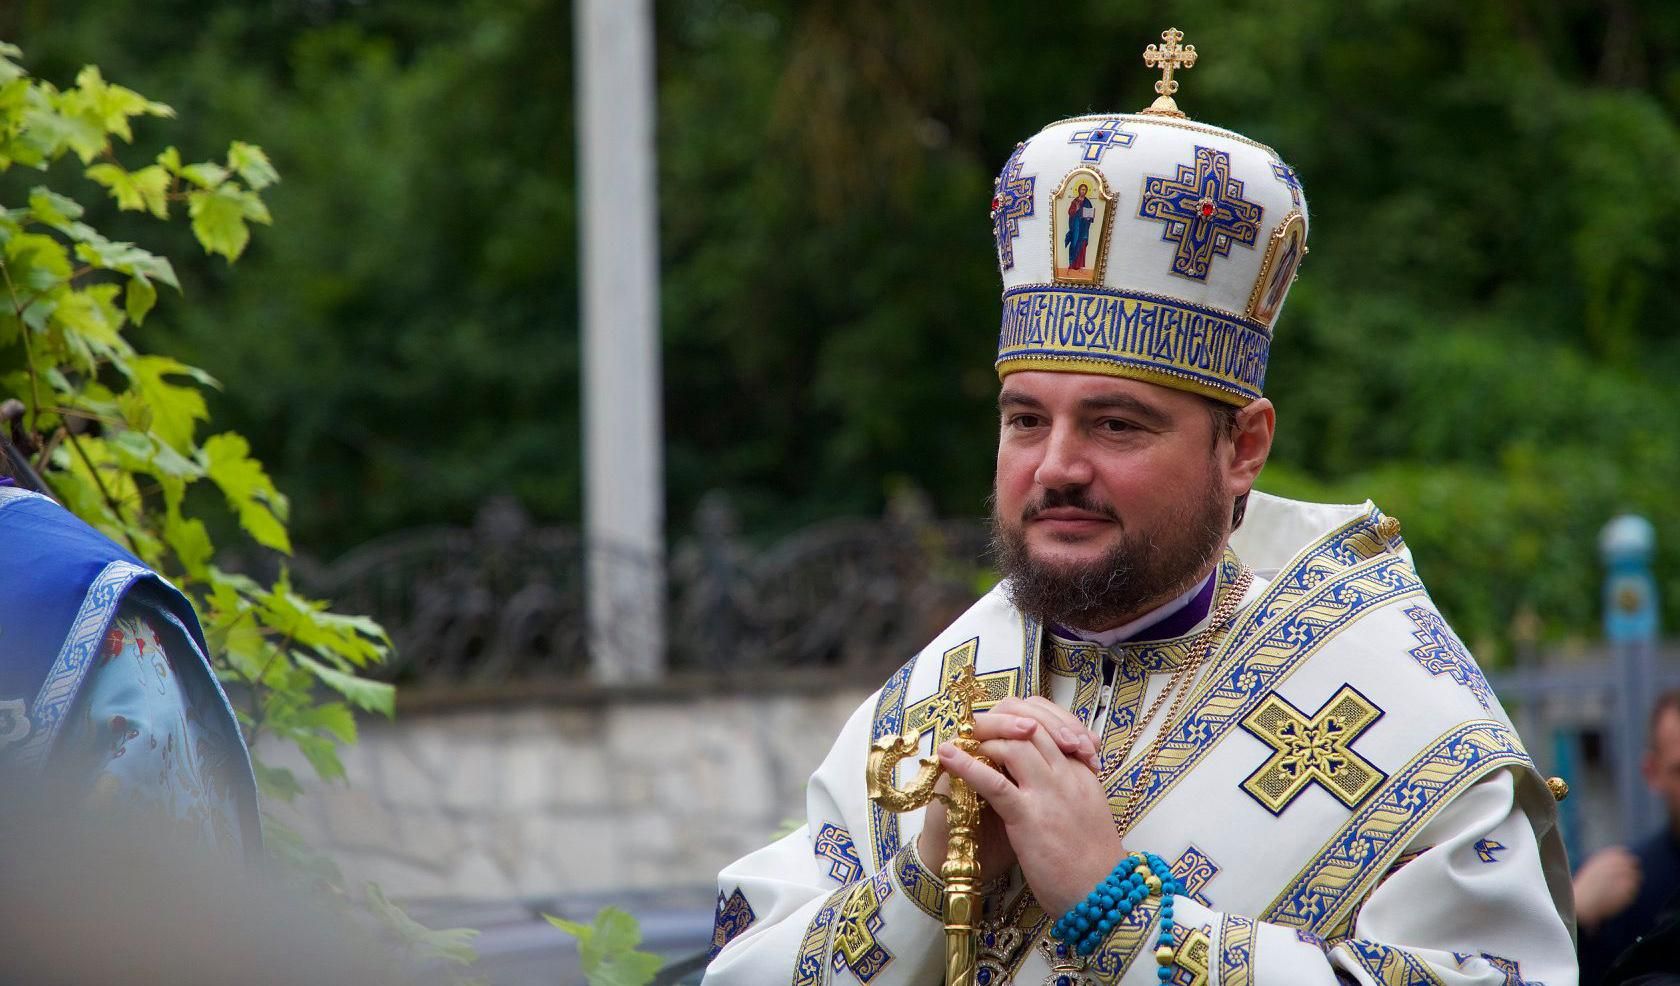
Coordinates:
[1174,624]
[6,481]
[1182,622]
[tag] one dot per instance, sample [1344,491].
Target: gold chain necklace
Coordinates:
[1200,650]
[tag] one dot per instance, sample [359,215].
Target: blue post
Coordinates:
[1630,623]
[1564,744]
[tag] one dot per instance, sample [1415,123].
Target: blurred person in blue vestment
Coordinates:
[106,686]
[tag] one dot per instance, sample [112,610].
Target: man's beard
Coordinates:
[1142,569]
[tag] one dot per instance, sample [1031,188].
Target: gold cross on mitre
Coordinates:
[1168,57]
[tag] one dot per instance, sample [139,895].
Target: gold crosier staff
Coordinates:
[961,870]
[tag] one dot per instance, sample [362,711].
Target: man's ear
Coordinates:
[1250,446]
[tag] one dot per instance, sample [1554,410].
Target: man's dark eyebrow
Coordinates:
[1149,414]
[1011,398]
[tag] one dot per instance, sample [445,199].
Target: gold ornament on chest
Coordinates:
[1312,749]
[942,711]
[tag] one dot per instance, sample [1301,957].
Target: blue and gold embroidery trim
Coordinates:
[921,885]
[834,844]
[1157,656]
[734,915]
[1315,749]
[1237,946]
[1442,653]
[1488,850]
[1388,965]
[1286,174]
[1194,870]
[1133,334]
[1369,536]
[889,721]
[810,967]
[1125,702]
[1360,853]
[1348,925]
[856,947]
[1116,953]
[1134,662]
[1268,655]
[1082,661]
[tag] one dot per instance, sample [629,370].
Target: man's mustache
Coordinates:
[1076,498]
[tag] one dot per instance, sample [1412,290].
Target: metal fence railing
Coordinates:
[504,600]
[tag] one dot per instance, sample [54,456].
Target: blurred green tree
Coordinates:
[1480,340]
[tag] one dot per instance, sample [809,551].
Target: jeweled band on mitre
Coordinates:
[1129,334]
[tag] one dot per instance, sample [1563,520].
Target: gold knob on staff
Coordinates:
[961,869]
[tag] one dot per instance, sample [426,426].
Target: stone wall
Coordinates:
[556,790]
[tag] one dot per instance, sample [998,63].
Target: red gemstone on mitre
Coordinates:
[996,202]
[1207,209]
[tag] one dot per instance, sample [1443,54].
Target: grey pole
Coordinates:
[624,493]
[1630,622]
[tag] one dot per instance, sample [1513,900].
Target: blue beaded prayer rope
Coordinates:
[1132,880]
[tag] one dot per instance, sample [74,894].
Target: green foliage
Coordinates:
[607,949]
[452,944]
[1480,332]
[116,429]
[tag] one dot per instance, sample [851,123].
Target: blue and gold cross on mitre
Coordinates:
[1147,245]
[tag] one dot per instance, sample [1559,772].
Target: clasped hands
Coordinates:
[1046,809]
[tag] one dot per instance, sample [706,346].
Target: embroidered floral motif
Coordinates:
[1442,653]
[835,844]
[734,915]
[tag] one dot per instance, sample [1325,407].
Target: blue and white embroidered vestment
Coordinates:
[1343,799]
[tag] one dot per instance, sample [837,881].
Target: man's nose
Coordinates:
[1066,460]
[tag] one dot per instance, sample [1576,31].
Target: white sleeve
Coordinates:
[812,908]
